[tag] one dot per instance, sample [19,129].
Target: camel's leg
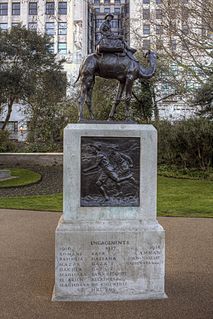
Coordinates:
[129,85]
[90,86]
[117,101]
[81,101]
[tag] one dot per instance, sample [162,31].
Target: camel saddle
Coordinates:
[110,45]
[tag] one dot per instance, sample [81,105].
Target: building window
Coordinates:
[32,26]
[16,8]
[192,85]
[159,29]
[97,10]
[98,23]
[114,24]
[146,29]
[62,47]
[185,13]
[174,69]
[146,44]
[3,26]
[50,8]
[173,45]
[158,14]
[49,28]
[158,1]
[50,47]
[146,14]
[167,89]
[62,7]
[117,1]
[146,1]
[185,28]
[62,28]
[106,10]
[33,11]
[106,1]
[117,10]
[15,24]
[3,9]
[96,2]
[12,127]
[159,44]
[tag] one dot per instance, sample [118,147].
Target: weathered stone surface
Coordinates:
[72,172]
[109,251]
[109,261]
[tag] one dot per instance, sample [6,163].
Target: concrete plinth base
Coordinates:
[109,261]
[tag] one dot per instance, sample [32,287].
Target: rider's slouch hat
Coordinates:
[109,15]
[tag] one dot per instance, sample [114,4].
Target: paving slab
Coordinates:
[27,272]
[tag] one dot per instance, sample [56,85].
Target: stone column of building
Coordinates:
[9,21]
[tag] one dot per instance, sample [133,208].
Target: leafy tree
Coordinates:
[181,33]
[186,33]
[147,93]
[27,67]
[142,103]
[204,98]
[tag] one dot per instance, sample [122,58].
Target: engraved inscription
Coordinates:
[149,256]
[110,171]
[106,267]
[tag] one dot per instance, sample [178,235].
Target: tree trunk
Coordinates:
[155,106]
[9,111]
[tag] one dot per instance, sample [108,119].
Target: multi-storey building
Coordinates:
[168,26]
[65,21]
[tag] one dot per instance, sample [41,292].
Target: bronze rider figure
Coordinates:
[106,32]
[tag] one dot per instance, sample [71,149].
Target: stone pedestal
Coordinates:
[109,245]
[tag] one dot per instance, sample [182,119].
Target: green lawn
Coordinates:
[24,177]
[36,202]
[184,197]
[176,197]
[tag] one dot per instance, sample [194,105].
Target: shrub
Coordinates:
[186,143]
[6,145]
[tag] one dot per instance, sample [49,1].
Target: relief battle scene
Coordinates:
[110,171]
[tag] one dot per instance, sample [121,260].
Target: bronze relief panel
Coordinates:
[110,171]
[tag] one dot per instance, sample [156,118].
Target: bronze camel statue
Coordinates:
[112,66]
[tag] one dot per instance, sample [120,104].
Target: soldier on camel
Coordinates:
[119,45]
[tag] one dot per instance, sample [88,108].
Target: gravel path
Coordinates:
[51,183]
[27,268]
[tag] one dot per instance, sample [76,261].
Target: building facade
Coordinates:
[64,21]
[174,29]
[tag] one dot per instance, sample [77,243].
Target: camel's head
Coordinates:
[148,72]
[151,56]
